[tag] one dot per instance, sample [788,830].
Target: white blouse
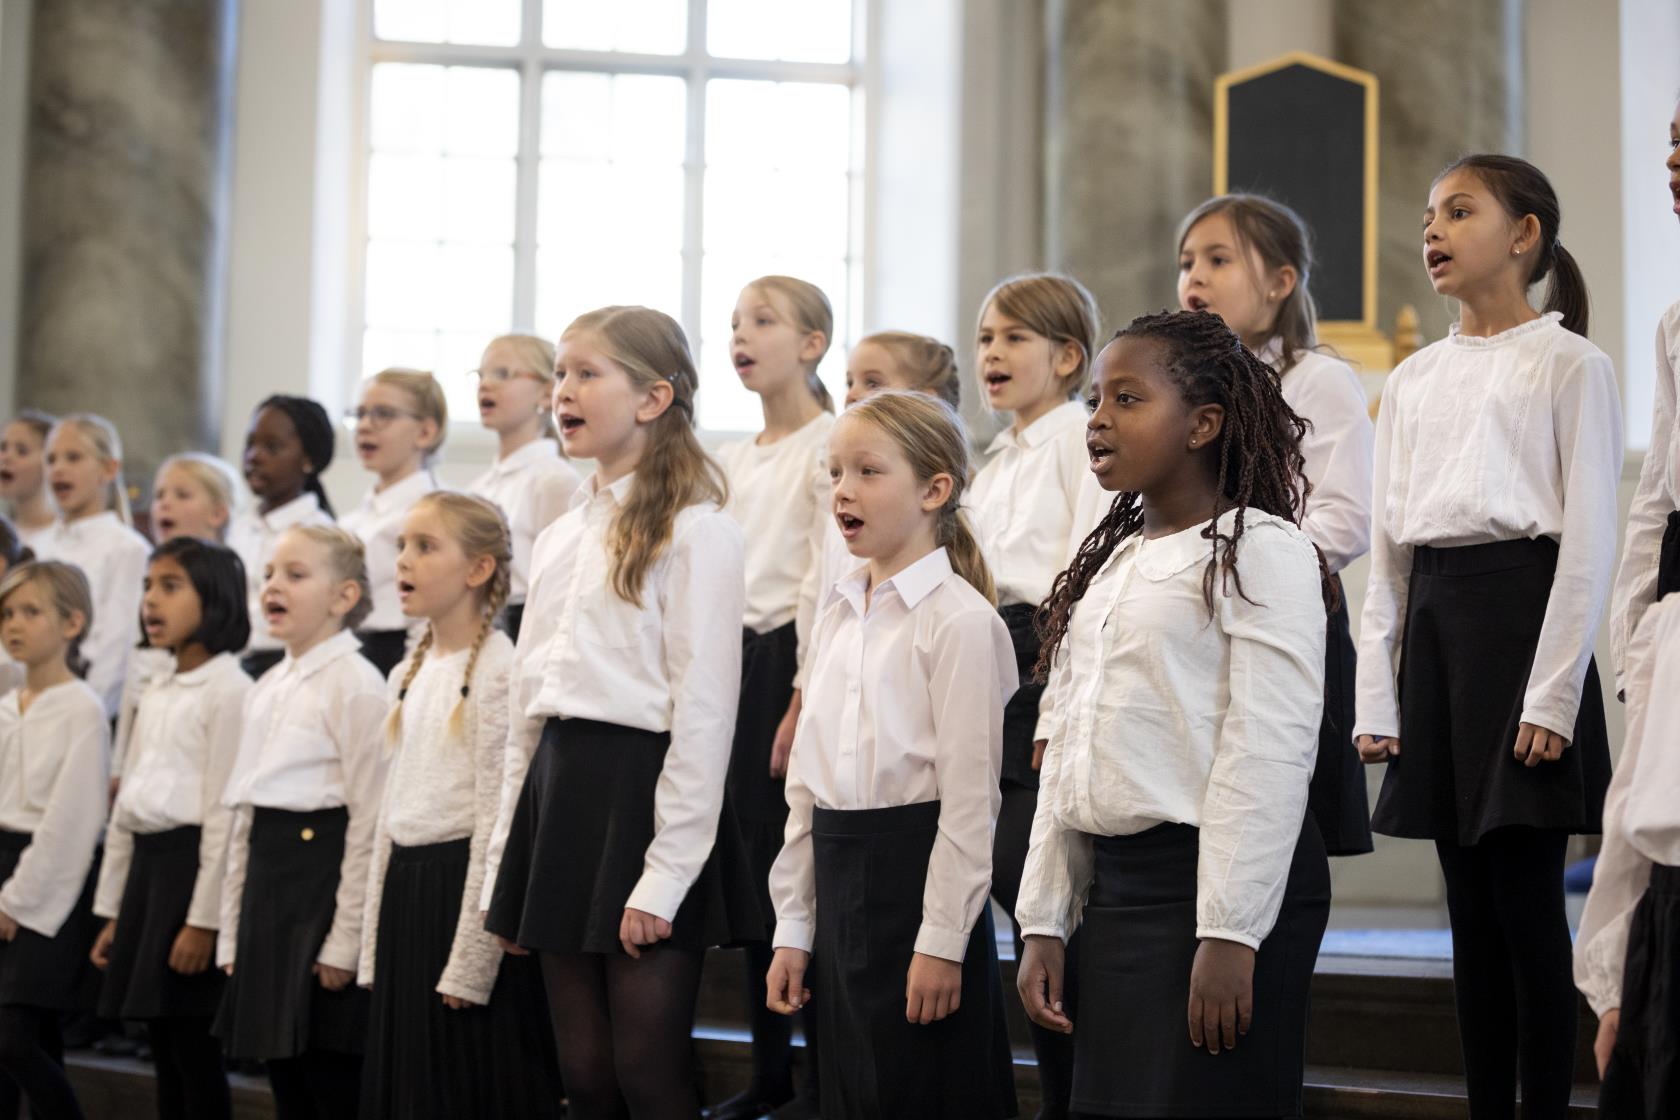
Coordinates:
[378,521]
[1164,716]
[1492,439]
[312,739]
[1657,496]
[1326,393]
[532,486]
[905,706]
[186,735]
[54,784]
[113,557]
[442,788]
[12,673]
[1024,502]
[672,664]
[253,534]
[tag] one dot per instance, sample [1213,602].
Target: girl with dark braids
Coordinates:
[1184,648]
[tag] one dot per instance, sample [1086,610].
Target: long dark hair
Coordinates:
[1523,189]
[1258,451]
[1281,238]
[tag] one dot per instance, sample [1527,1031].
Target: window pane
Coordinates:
[569,284]
[809,31]
[491,22]
[576,115]
[402,285]
[783,125]
[627,118]
[458,352]
[723,404]
[384,349]
[488,22]
[639,26]
[482,111]
[478,197]
[475,290]
[417,21]
[405,199]
[407,110]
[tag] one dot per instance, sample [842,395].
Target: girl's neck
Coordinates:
[46,674]
[516,438]
[1188,501]
[408,468]
[34,512]
[457,628]
[614,464]
[1038,410]
[329,629]
[92,509]
[1258,340]
[1483,316]
[275,501]
[882,568]
[190,656]
[787,409]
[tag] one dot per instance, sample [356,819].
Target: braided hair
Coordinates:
[1257,452]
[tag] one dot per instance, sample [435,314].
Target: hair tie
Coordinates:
[464,690]
[402,694]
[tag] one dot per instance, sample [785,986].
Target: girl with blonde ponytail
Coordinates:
[911,646]
[440,983]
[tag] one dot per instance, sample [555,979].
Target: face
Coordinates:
[879,503]
[76,473]
[182,507]
[34,631]
[510,393]
[870,369]
[20,462]
[1142,433]
[767,346]
[433,573]
[170,610]
[1020,369]
[390,432]
[1672,163]
[302,596]
[1470,243]
[599,410]
[1217,273]
[276,467]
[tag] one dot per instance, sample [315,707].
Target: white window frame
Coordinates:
[531,58]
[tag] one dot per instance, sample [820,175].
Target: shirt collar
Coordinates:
[102,521]
[403,494]
[192,678]
[615,493]
[1043,429]
[539,450]
[295,512]
[339,645]
[911,585]
[1161,558]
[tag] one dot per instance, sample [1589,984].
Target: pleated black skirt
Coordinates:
[1668,558]
[273,1005]
[385,648]
[871,871]
[1337,795]
[768,663]
[425,1061]
[1132,1054]
[46,972]
[578,840]
[259,661]
[512,616]
[139,984]
[1020,715]
[1642,1081]
[1473,618]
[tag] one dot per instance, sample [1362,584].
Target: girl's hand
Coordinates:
[333,979]
[785,990]
[456,1003]
[100,954]
[1221,994]
[190,955]
[782,746]
[1039,982]
[227,969]
[640,928]
[510,948]
[8,927]
[933,989]
[1536,745]
[1038,753]
[1373,749]
[1608,1024]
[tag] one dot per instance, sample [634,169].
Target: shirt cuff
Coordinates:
[336,953]
[1044,929]
[946,944]
[1377,730]
[792,935]
[452,987]
[657,895]
[1552,719]
[1207,933]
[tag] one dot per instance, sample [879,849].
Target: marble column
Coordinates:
[125,186]
[1129,141]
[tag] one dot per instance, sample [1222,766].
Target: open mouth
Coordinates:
[1436,261]
[996,380]
[569,424]
[1673,189]
[7,477]
[1197,303]
[367,448]
[151,622]
[1100,455]
[405,588]
[744,362]
[273,611]
[850,526]
[166,526]
[485,404]
[62,490]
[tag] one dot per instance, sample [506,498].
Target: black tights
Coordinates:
[316,1085]
[191,1077]
[622,1028]
[32,1057]
[1512,974]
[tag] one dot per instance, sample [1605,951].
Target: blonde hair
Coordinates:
[67,589]
[348,560]
[428,397]
[216,476]
[107,445]
[928,364]
[537,354]
[812,313]
[480,529]
[675,472]
[931,435]
[1055,306]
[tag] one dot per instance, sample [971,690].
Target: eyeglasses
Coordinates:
[378,416]
[500,375]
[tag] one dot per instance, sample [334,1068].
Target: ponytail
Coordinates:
[1567,294]
[956,537]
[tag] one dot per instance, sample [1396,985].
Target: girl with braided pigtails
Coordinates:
[455,1029]
[1185,653]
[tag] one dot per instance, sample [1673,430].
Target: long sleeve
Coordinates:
[520,744]
[1383,621]
[703,600]
[1263,760]
[1337,450]
[233,885]
[1060,862]
[116,623]
[50,873]
[811,588]
[379,860]
[1587,407]
[793,875]
[114,864]
[475,957]
[224,723]
[362,756]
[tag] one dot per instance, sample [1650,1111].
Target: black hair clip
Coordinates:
[402,694]
[464,690]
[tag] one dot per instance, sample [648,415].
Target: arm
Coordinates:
[475,958]
[53,868]
[361,743]
[520,744]
[1384,619]
[119,852]
[225,719]
[116,624]
[817,578]
[1337,450]
[1060,864]
[378,861]
[233,886]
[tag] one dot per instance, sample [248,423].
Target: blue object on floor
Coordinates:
[1410,944]
[1578,876]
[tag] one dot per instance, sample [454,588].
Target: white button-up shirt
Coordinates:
[671,664]
[54,784]
[1164,715]
[186,735]
[378,521]
[533,487]
[1024,502]
[253,534]
[113,557]
[905,705]
[1326,393]
[1494,439]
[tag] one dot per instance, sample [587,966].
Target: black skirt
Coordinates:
[1473,618]
[385,648]
[1668,558]
[139,984]
[39,971]
[425,1061]
[259,661]
[768,663]
[1642,1081]
[1132,1054]
[273,1005]
[578,841]
[512,616]
[1020,715]
[1337,795]
[871,871]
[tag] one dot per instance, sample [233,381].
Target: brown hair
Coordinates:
[67,589]
[41,423]
[812,314]
[1281,238]
[481,530]
[1055,306]
[107,445]
[928,364]
[931,435]
[349,564]
[675,473]
[428,397]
